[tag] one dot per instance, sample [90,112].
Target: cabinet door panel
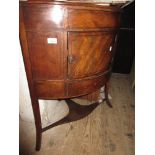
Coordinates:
[45,51]
[89,53]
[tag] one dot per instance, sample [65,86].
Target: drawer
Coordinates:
[86,86]
[93,19]
[49,89]
[43,18]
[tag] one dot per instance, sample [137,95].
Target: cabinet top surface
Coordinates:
[99,3]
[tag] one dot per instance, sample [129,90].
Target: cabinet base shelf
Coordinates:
[76,112]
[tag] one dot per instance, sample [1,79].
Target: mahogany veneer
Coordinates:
[68,50]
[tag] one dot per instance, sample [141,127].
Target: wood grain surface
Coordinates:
[53,67]
[90,52]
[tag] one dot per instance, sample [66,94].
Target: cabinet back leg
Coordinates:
[106,95]
[37,118]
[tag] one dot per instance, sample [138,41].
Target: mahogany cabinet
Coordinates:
[68,50]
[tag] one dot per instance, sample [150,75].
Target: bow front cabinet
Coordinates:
[68,50]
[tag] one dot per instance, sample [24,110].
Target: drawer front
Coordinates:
[43,18]
[58,89]
[93,19]
[83,87]
[49,89]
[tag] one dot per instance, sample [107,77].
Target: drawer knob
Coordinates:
[71,59]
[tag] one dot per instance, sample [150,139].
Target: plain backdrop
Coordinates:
[144,83]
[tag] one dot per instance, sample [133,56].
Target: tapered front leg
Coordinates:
[37,118]
[106,94]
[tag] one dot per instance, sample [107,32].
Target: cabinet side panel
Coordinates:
[24,46]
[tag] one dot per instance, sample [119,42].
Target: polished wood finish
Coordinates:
[45,56]
[78,87]
[39,18]
[68,49]
[92,19]
[89,58]
[50,89]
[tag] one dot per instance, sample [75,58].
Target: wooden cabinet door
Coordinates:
[45,50]
[89,53]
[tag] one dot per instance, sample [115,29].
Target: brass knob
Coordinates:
[71,59]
